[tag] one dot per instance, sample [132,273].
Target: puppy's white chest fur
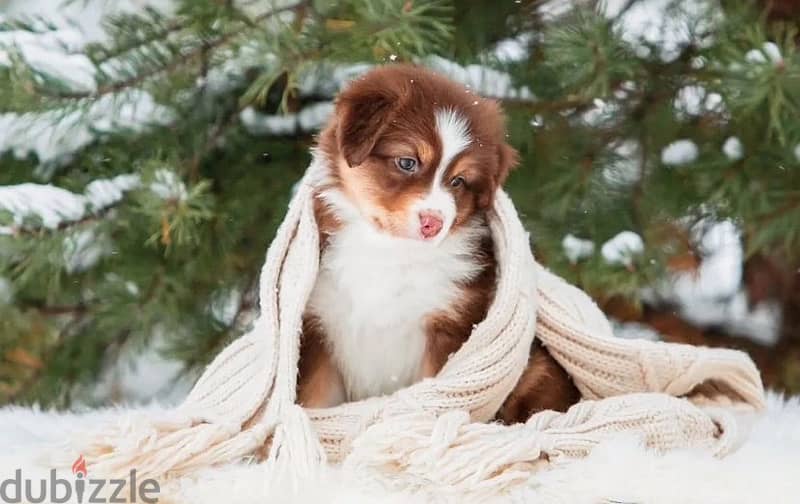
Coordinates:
[373,294]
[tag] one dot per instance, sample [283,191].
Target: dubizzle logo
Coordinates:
[80,490]
[79,467]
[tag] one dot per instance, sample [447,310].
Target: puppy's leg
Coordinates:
[445,335]
[544,385]
[319,384]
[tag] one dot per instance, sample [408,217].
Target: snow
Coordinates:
[635,330]
[768,53]
[720,272]
[53,206]
[666,25]
[576,248]
[623,170]
[82,15]
[760,323]
[51,137]
[314,116]
[601,112]
[225,305]
[755,56]
[82,250]
[325,79]
[680,152]
[167,185]
[55,136]
[231,72]
[132,288]
[713,295]
[103,193]
[74,70]
[50,204]
[42,50]
[733,148]
[310,118]
[622,248]
[551,10]
[480,79]
[694,100]
[512,50]
[143,375]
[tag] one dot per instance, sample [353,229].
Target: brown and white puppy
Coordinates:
[407,261]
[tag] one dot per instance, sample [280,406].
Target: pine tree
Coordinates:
[142,176]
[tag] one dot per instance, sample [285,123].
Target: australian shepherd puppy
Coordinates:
[407,262]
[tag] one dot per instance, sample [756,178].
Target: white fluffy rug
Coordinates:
[763,470]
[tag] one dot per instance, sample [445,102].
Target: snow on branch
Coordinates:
[714,295]
[324,81]
[55,136]
[56,208]
[662,27]
[55,54]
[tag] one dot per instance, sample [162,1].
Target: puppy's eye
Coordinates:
[407,164]
[458,181]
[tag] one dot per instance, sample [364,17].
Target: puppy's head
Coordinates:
[414,153]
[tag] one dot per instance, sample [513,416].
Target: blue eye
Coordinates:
[407,164]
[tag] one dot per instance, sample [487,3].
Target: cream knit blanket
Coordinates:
[435,432]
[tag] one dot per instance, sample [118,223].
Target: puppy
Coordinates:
[407,262]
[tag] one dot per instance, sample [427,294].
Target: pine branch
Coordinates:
[172,26]
[175,64]
[228,121]
[94,217]
[22,389]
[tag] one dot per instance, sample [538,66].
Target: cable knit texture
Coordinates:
[668,395]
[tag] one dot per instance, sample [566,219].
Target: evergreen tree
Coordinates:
[142,176]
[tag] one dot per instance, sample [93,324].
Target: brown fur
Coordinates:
[386,114]
[544,385]
[320,384]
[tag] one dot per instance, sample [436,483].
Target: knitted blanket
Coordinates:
[668,395]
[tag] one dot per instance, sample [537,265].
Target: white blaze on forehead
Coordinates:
[453,131]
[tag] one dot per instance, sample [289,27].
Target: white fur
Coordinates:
[620,470]
[373,293]
[453,131]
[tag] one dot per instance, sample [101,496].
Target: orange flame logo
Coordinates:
[79,467]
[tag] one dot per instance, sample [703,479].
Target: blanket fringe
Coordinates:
[296,454]
[153,446]
[480,460]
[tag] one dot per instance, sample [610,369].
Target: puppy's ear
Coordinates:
[362,115]
[507,160]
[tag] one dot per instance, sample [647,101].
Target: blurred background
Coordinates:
[148,150]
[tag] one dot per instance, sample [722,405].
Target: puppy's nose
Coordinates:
[430,223]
